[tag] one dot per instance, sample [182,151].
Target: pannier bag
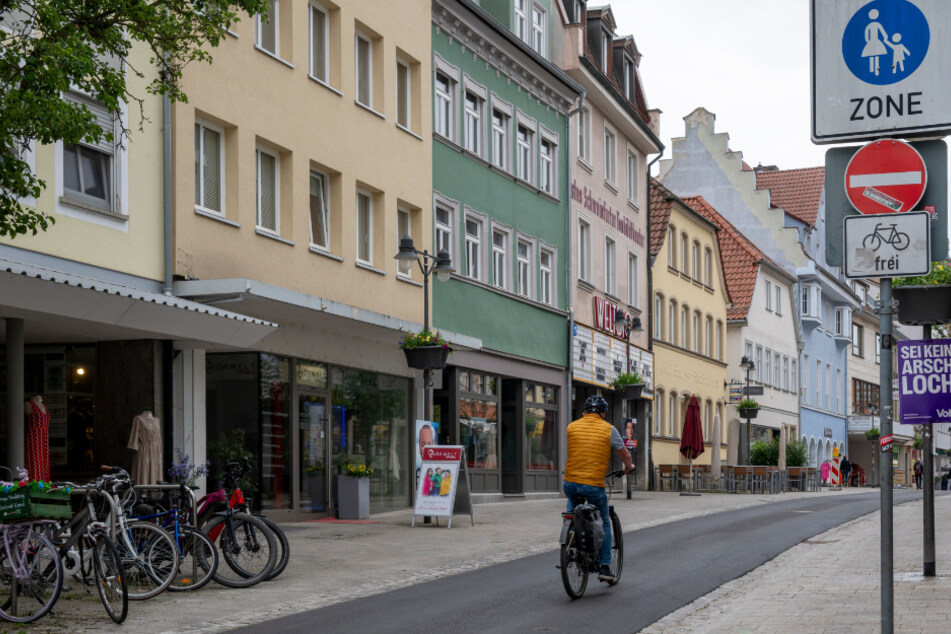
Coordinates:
[589,531]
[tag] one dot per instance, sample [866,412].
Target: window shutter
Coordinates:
[105,119]
[266,191]
[211,170]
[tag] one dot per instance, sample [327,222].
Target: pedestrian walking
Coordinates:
[918,469]
[846,468]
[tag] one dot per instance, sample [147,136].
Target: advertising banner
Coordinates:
[924,375]
[442,475]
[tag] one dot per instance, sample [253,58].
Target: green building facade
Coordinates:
[501,209]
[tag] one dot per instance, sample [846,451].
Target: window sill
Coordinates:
[102,211]
[327,254]
[409,132]
[697,283]
[708,289]
[273,56]
[215,216]
[408,280]
[586,285]
[611,186]
[672,269]
[321,82]
[369,109]
[633,205]
[232,34]
[273,236]
[588,167]
[367,267]
[614,298]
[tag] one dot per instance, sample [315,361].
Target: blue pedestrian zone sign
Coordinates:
[885,41]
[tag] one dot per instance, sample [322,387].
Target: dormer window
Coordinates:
[628,79]
[605,50]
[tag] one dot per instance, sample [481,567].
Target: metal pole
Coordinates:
[928,492]
[885,407]
[427,374]
[15,393]
[627,404]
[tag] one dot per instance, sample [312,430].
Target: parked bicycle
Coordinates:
[577,562]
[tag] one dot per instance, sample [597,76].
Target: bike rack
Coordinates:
[171,487]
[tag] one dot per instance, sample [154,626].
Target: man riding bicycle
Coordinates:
[590,442]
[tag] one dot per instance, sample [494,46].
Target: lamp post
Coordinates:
[629,324]
[747,365]
[441,265]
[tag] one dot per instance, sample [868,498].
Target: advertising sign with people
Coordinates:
[442,475]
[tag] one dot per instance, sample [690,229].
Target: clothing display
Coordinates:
[37,446]
[146,441]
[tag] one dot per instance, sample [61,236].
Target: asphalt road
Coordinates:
[665,568]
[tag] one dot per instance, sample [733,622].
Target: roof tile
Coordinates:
[796,191]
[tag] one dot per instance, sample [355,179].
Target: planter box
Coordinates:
[353,498]
[427,357]
[630,391]
[750,412]
[923,305]
[24,504]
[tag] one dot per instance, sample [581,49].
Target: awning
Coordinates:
[59,306]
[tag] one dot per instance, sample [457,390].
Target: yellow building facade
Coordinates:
[688,327]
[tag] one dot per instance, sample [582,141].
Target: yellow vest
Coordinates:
[589,450]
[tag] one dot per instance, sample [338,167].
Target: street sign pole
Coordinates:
[886,473]
[928,492]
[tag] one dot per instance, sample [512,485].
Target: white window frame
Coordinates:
[628,79]
[474,116]
[610,155]
[805,379]
[525,151]
[696,331]
[759,364]
[719,341]
[359,69]
[708,338]
[115,199]
[323,74]
[633,283]
[584,135]
[695,255]
[584,249]
[708,267]
[684,241]
[449,97]
[501,257]
[671,246]
[325,201]
[794,376]
[658,316]
[520,20]
[404,90]
[443,230]
[476,245]
[779,299]
[633,172]
[526,265]
[768,370]
[539,41]
[276,230]
[548,167]
[546,279]
[769,295]
[404,227]
[364,233]
[200,127]
[777,383]
[786,373]
[605,49]
[273,24]
[610,264]
[684,326]
[672,322]
[502,135]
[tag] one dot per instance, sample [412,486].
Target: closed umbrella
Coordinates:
[715,458]
[691,442]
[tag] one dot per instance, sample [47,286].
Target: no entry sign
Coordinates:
[885,177]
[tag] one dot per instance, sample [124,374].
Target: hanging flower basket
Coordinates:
[427,357]
[631,390]
[748,412]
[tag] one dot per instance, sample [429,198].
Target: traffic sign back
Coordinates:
[887,176]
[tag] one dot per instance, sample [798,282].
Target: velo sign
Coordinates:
[877,68]
[887,245]
[887,176]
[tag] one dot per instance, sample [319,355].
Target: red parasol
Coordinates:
[691,442]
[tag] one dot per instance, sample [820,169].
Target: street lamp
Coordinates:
[629,324]
[441,265]
[747,365]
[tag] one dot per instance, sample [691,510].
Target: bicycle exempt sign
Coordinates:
[924,374]
[888,245]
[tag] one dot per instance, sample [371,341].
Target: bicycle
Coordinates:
[887,234]
[576,564]
[244,542]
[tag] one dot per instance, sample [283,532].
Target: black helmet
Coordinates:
[597,404]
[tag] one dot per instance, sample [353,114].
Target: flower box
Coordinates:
[631,390]
[23,504]
[427,357]
[353,498]
[748,412]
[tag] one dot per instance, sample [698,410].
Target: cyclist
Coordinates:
[590,442]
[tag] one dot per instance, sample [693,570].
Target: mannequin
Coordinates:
[146,441]
[37,446]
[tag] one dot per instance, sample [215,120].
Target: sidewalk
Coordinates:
[334,561]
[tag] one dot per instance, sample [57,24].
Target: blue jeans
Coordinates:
[578,493]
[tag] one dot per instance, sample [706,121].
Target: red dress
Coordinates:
[38,443]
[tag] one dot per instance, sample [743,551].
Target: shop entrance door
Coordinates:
[513,450]
[312,426]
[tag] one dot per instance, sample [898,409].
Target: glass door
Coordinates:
[312,416]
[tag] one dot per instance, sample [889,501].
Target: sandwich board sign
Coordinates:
[878,69]
[443,487]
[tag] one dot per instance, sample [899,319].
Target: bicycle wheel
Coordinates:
[872,241]
[901,241]
[149,558]
[198,563]
[31,577]
[110,579]
[283,548]
[574,574]
[247,550]
[617,548]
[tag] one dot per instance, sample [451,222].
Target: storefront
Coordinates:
[298,418]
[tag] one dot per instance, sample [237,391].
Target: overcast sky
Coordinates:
[746,61]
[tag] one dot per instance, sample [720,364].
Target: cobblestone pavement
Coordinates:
[333,562]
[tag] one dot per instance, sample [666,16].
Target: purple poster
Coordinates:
[924,376]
